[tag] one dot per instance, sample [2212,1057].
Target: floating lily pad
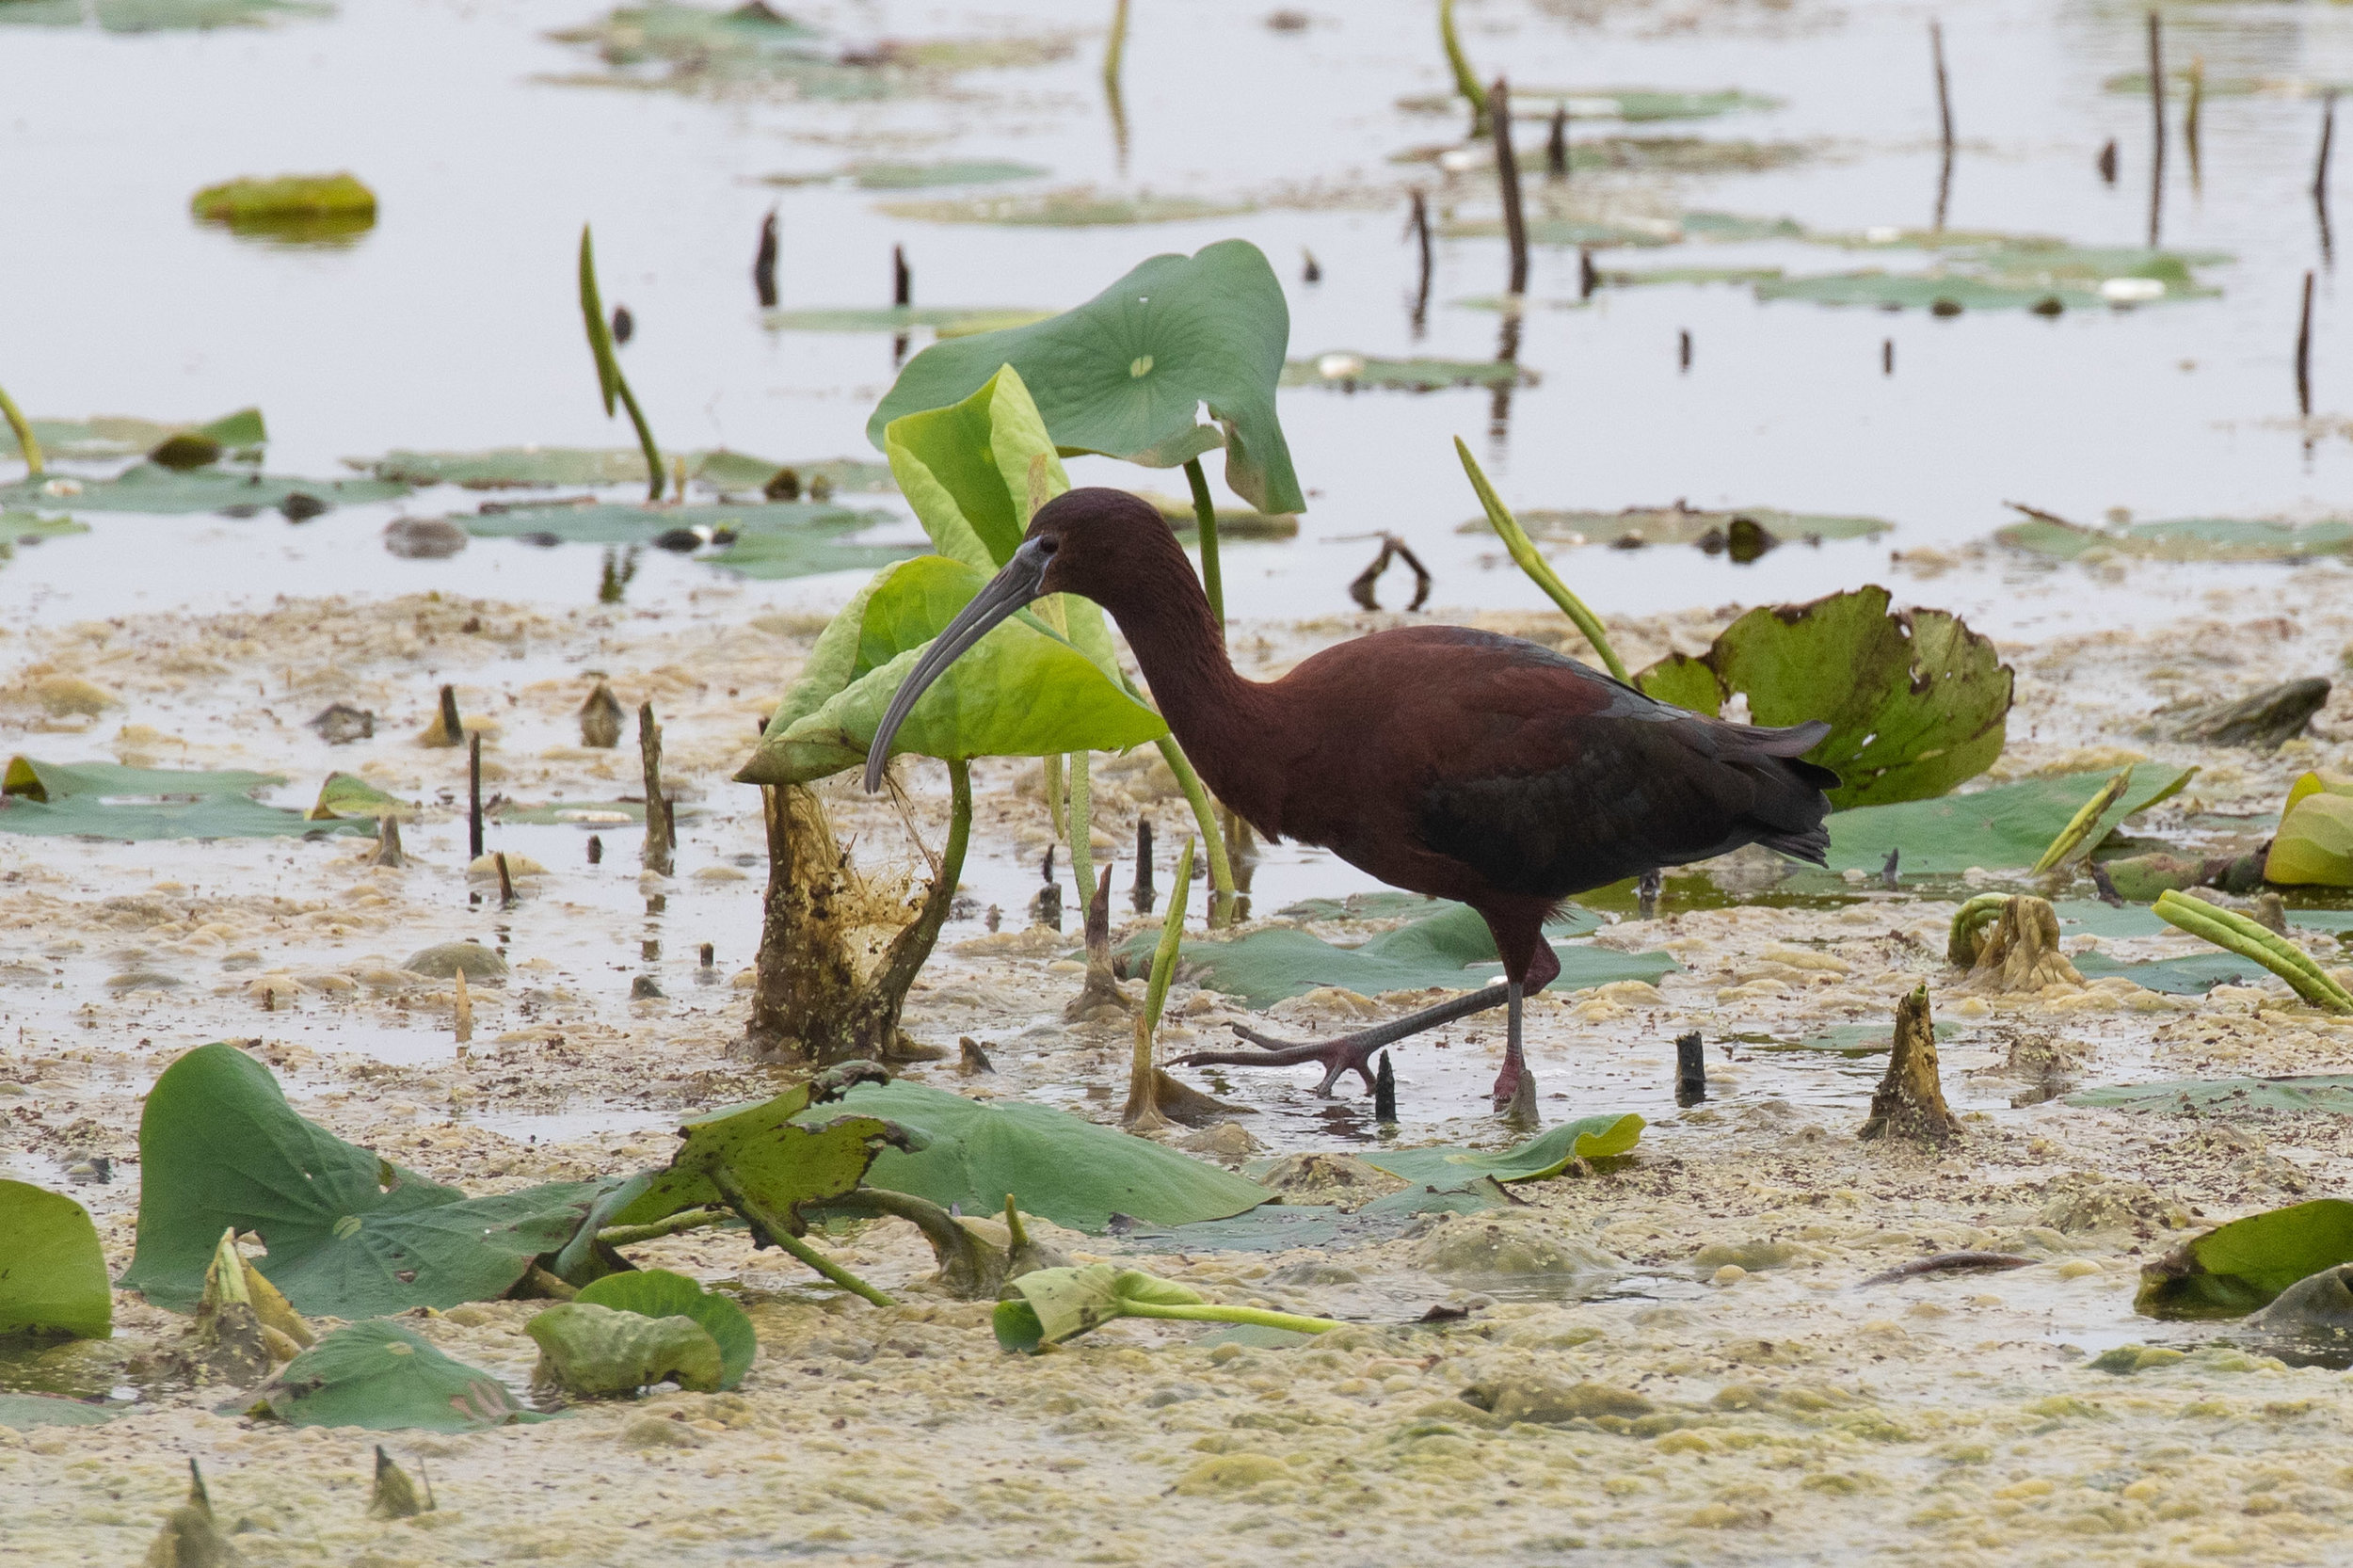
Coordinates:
[1349,372]
[537,467]
[2000,272]
[1233,522]
[961,172]
[53,1277]
[1125,373]
[2134,83]
[770,540]
[293,209]
[350,1233]
[2234,1269]
[589,1350]
[1081,208]
[26,1411]
[32,527]
[1638,277]
[2005,826]
[1452,949]
[586,813]
[1914,700]
[155,16]
[1584,233]
[974,1154]
[383,1377]
[2208,1096]
[659,1293]
[756,50]
[947,321]
[2185,538]
[152,488]
[1681,525]
[1539,1159]
[119,436]
[1633,104]
[106,800]
[2193,975]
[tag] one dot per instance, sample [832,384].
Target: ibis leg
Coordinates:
[1515,1086]
[1355,1052]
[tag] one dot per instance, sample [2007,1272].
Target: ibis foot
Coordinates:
[1344,1053]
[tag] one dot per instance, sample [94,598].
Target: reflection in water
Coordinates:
[1115,53]
[1499,404]
[1418,229]
[2157,115]
[620,566]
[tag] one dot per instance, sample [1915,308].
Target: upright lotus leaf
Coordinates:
[1022,691]
[2004,827]
[974,1155]
[350,1235]
[591,1350]
[1915,700]
[1539,1159]
[1124,374]
[659,1293]
[52,1276]
[387,1378]
[782,1165]
[2234,1269]
[2315,844]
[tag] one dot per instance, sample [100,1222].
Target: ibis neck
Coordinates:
[1216,714]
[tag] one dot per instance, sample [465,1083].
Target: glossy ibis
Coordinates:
[1453,763]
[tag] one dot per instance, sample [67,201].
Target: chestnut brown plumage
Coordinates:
[1446,761]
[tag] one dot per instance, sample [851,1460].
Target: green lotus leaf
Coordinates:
[106,800]
[52,1276]
[2185,538]
[782,1165]
[1349,372]
[1680,525]
[155,16]
[1539,1159]
[590,1350]
[2005,826]
[545,467]
[1066,1302]
[2217,1097]
[1065,1168]
[2315,844]
[1123,374]
[151,488]
[2237,1268]
[118,436]
[347,794]
[350,1234]
[1083,207]
[387,1378]
[1022,691]
[1915,700]
[26,1411]
[659,1293]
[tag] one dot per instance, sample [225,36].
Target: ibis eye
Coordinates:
[1048,544]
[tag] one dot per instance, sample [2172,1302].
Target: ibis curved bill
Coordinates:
[1016,585]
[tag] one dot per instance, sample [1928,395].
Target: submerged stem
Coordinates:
[775,1229]
[24,439]
[1205,515]
[1524,550]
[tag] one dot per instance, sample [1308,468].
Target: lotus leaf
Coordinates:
[1452,949]
[26,1411]
[1357,373]
[2234,1269]
[106,800]
[755,47]
[771,539]
[1992,273]
[387,1378]
[590,1350]
[1123,374]
[52,1276]
[1539,1159]
[2207,1096]
[151,488]
[1585,234]
[18,527]
[347,794]
[2185,538]
[585,814]
[2192,976]
[1022,691]
[761,1151]
[529,467]
[1627,103]
[1080,208]
[2315,844]
[114,436]
[155,16]
[974,1154]
[1055,1305]
[2134,83]
[659,1293]
[1665,526]
[2004,827]
[1915,700]
[350,1233]
[300,208]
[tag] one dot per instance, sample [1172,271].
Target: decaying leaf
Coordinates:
[590,1350]
[383,1376]
[659,1293]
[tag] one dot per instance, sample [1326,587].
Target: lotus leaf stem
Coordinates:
[24,439]
[776,1231]
[1466,79]
[685,1219]
[1204,817]
[1969,923]
[2235,932]
[610,381]
[1524,550]
[1213,1312]
[1204,515]
[1083,827]
[2079,827]
[1143,1111]
[1055,814]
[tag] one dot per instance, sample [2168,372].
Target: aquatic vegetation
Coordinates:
[2003,825]
[659,1293]
[1443,1167]
[291,209]
[1711,528]
[1915,700]
[945,321]
[1349,372]
[153,488]
[56,1278]
[766,541]
[2229,930]
[1082,208]
[157,16]
[107,800]
[383,1376]
[589,1350]
[551,467]
[610,383]
[2315,843]
[2180,538]
[1630,104]
[2237,1268]
[239,436]
[1058,1305]
[1530,560]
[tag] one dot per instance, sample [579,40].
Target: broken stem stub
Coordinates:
[1910,1101]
